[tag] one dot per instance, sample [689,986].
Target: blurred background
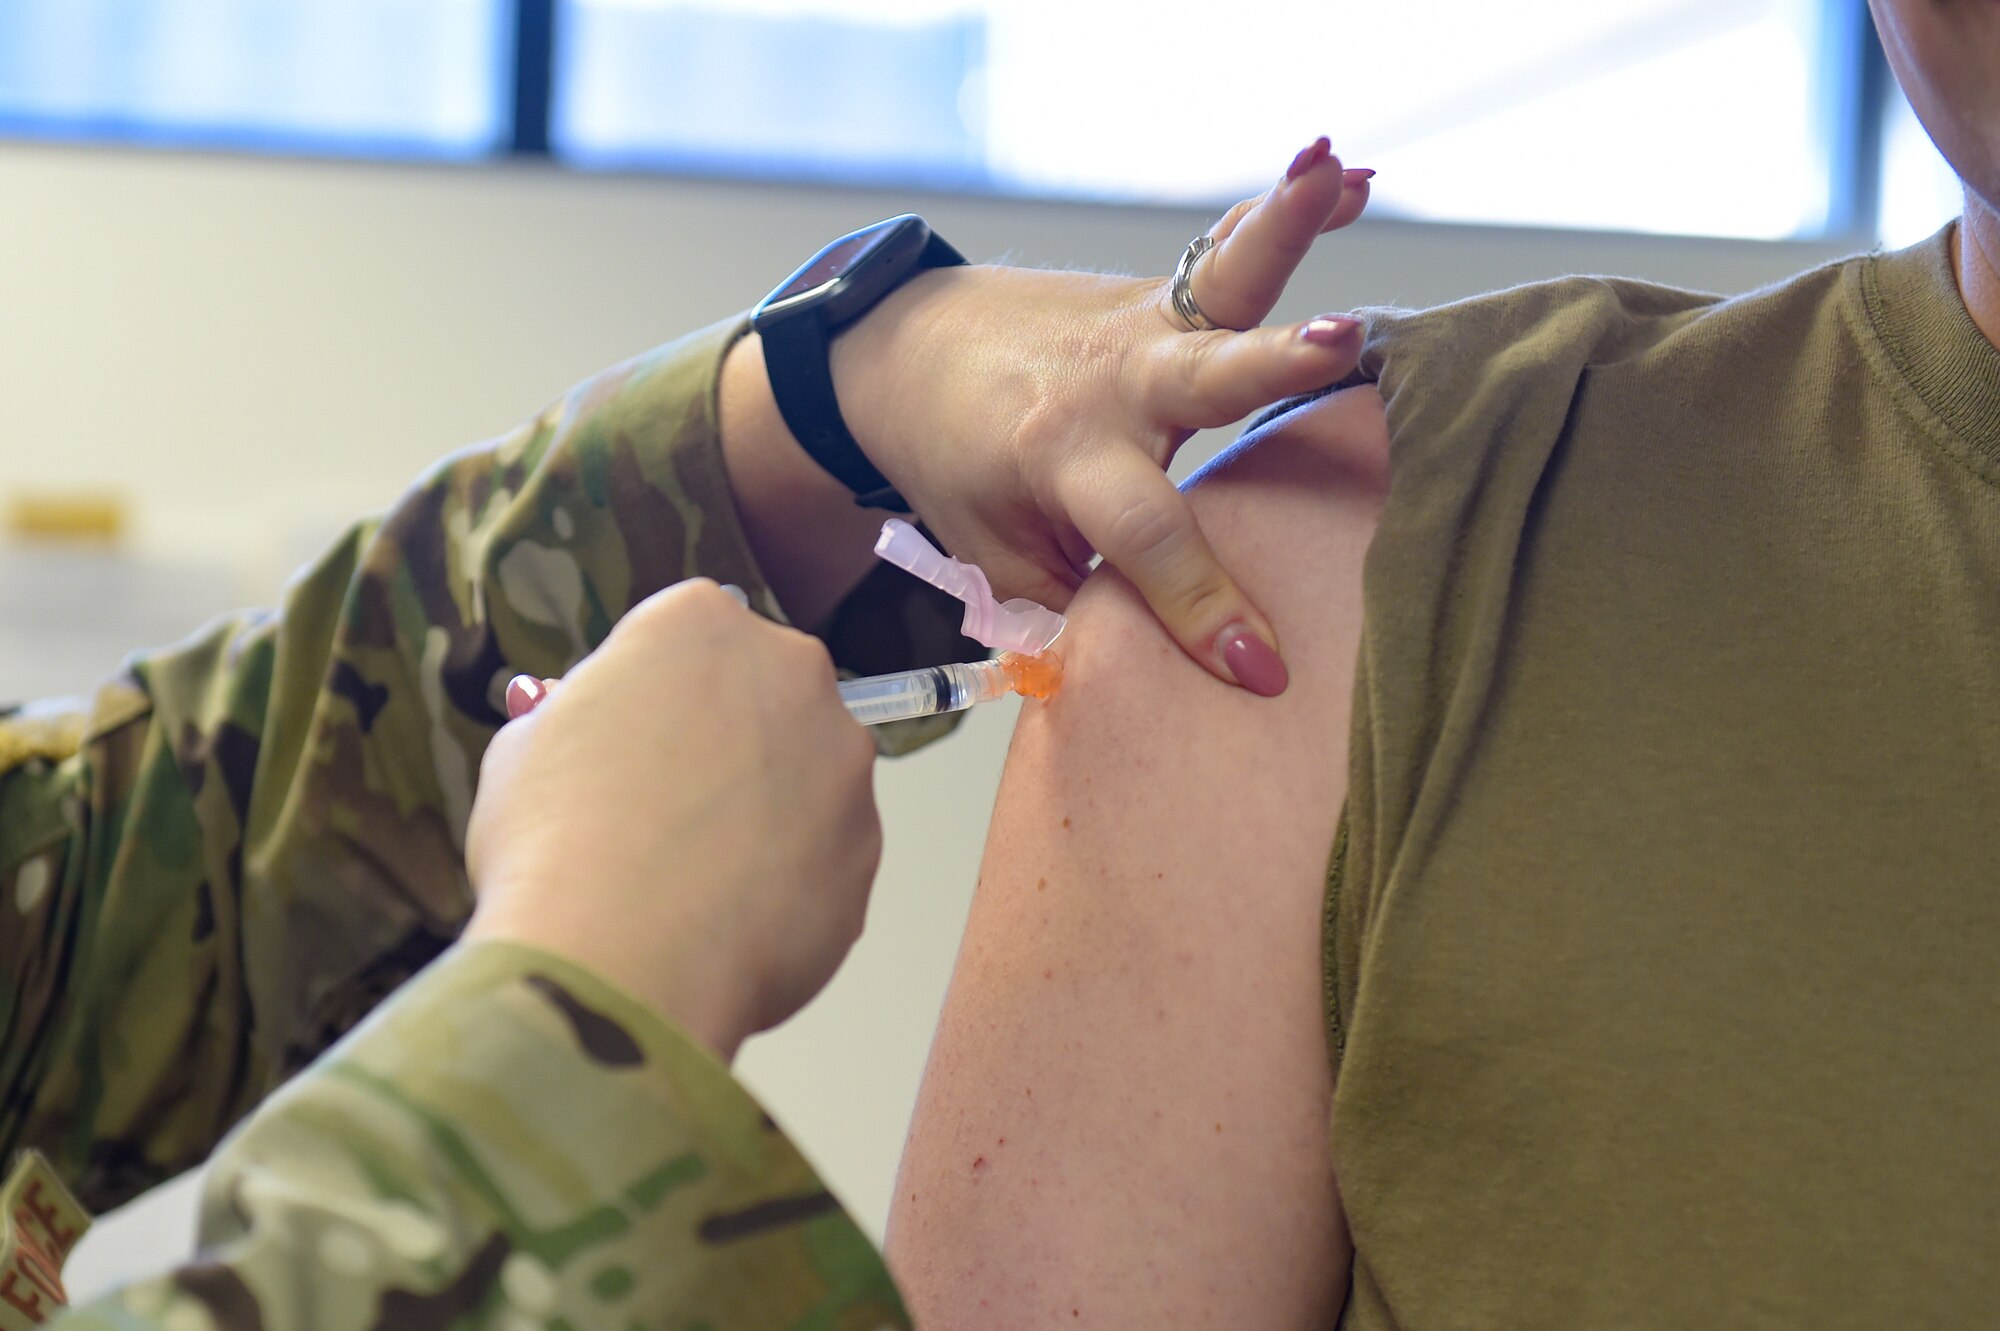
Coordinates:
[262,261]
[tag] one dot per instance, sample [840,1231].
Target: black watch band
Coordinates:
[799,320]
[806,400]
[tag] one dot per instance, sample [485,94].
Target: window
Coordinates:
[391,77]
[1652,115]
[1920,192]
[1646,115]
[1746,118]
[854,91]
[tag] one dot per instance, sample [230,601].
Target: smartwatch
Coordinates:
[797,323]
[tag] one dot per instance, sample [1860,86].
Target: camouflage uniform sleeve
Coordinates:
[512,1143]
[215,867]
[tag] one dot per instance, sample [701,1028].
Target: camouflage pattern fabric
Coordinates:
[512,1143]
[214,868]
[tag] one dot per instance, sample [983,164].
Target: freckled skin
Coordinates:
[1188,865]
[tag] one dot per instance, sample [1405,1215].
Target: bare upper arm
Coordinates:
[1124,1118]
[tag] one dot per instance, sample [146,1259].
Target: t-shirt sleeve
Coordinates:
[1478,395]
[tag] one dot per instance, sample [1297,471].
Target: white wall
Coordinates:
[255,351]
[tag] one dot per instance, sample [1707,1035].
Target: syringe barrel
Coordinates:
[927,692]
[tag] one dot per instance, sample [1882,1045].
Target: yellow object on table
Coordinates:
[85,517]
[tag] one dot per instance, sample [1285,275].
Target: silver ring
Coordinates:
[1182,292]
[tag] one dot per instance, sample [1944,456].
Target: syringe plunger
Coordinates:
[926,692]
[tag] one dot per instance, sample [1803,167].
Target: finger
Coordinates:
[525,693]
[1353,199]
[1210,379]
[1226,228]
[1128,509]
[1077,551]
[1240,280]
[1355,188]
[1309,159]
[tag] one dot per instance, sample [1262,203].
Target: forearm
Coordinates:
[247,840]
[511,1135]
[812,540]
[814,543]
[256,833]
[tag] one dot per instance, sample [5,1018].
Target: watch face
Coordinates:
[831,263]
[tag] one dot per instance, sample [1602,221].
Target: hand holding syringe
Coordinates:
[1024,630]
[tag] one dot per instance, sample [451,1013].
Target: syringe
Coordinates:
[949,688]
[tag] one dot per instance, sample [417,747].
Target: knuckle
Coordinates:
[864,827]
[1165,375]
[1212,600]
[499,754]
[690,591]
[697,600]
[805,657]
[871,841]
[1148,529]
[861,754]
[1234,217]
[1196,353]
[1041,432]
[846,748]
[705,597]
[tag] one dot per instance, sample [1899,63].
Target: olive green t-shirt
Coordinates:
[1664,948]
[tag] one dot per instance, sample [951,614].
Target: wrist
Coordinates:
[813,543]
[800,320]
[880,358]
[694,987]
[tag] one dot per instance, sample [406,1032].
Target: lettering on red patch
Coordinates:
[39,1226]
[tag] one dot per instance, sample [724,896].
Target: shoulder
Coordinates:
[1514,358]
[1585,318]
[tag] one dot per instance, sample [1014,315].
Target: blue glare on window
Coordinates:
[1920,191]
[853,91]
[1703,116]
[423,77]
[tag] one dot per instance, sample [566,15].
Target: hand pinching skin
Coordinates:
[1064,455]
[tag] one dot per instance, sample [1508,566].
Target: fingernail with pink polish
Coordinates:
[524,695]
[1328,329]
[1309,157]
[1355,175]
[1251,661]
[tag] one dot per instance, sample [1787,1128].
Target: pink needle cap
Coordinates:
[1019,625]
